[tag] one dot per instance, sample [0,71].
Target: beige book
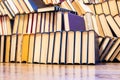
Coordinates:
[19,48]
[118,4]
[8,25]
[63,47]
[57,48]
[30,23]
[4,25]
[116,52]
[24,6]
[25,48]
[34,22]
[105,8]
[31,48]
[18,6]
[78,45]
[44,48]
[70,47]
[113,7]
[100,39]
[2,10]
[111,51]
[51,47]
[99,25]
[39,19]
[55,23]
[20,25]
[84,47]
[113,25]
[2,48]
[13,48]
[118,56]
[8,46]
[65,5]
[59,21]
[16,23]
[91,6]
[70,4]
[47,22]
[51,21]
[43,22]
[98,8]
[117,20]
[37,50]
[105,26]
[26,17]
[29,6]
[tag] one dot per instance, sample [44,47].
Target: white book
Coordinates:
[29,5]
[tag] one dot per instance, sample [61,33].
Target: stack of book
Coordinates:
[43,34]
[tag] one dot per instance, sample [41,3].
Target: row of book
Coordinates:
[109,49]
[71,47]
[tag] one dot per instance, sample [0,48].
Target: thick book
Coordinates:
[73,22]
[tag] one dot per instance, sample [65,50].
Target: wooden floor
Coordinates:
[12,71]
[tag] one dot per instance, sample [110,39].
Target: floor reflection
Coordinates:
[10,71]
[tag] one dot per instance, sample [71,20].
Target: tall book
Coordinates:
[37,50]
[57,48]
[25,48]
[70,47]
[105,8]
[44,48]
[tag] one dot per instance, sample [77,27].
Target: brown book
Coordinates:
[8,46]
[116,52]
[31,48]
[105,26]
[51,47]
[19,47]
[113,7]
[44,48]
[2,48]
[38,25]
[63,47]
[78,45]
[13,48]
[37,50]
[117,19]
[84,47]
[99,25]
[70,47]
[105,8]
[113,48]
[114,27]
[25,48]
[26,17]
[98,8]
[16,23]
[57,48]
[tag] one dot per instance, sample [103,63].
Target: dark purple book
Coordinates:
[73,22]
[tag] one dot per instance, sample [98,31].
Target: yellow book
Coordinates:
[25,47]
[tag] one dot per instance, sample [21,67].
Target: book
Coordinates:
[35,15]
[51,47]
[47,22]
[31,48]
[37,51]
[111,51]
[91,6]
[8,46]
[25,48]
[26,18]
[84,47]
[13,48]
[38,25]
[2,10]
[118,5]
[65,5]
[116,52]
[30,22]
[105,52]
[118,56]
[31,5]
[8,25]
[43,22]
[19,47]
[113,7]
[57,48]
[70,47]
[73,22]
[63,47]
[24,6]
[98,8]
[78,45]
[20,24]
[114,27]
[105,26]
[105,8]
[117,18]
[44,47]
